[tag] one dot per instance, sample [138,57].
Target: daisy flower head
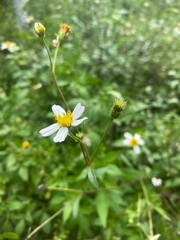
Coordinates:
[133,141]
[155,237]
[64,121]
[10,46]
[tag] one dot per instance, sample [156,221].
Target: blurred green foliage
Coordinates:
[118,48]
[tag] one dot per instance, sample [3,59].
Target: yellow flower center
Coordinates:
[64,120]
[8,43]
[133,142]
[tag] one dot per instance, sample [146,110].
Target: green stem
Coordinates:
[50,219]
[85,153]
[47,49]
[52,64]
[55,55]
[102,138]
[149,206]
[45,222]
[64,189]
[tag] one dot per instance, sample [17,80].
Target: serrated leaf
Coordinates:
[92,177]
[102,204]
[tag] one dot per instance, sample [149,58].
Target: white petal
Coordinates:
[78,111]
[61,135]
[45,132]
[77,122]
[126,142]
[141,141]
[57,110]
[137,136]
[137,149]
[127,135]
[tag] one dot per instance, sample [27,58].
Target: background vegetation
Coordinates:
[117,48]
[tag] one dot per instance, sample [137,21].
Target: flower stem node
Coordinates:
[64,30]
[80,135]
[39,29]
[117,107]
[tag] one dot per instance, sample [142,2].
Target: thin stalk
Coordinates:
[49,219]
[85,154]
[52,65]
[45,222]
[149,206]
[64,189]
[55,55]
[102,138]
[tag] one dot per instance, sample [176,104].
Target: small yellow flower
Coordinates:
[25,144]
[64,30]
[39,29]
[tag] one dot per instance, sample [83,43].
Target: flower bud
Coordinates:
[117,107]
[64,30]
[80,135]
[39,29]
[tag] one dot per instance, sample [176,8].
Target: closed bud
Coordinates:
[39,29]
[117,108]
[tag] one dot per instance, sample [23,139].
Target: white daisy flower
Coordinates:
[133,141]
[156,182]
[10,46]
[64,120]
[155,237]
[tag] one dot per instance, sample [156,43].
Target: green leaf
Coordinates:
[9,235]
[11,160]
[67,212]
[162,213]
[102,204]
[15,205]
[23,173]
[128,174]
[75,209]
[92,177]
[20,226]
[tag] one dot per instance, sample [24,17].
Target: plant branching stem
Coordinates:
[85,153]
[64,189]
[52,65]
[102,138]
